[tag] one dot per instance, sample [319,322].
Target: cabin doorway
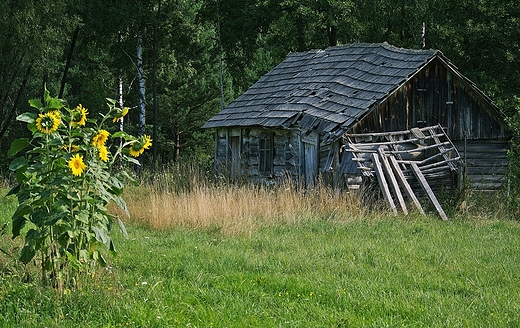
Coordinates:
[310,159]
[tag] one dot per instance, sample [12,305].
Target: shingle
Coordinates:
[329,88]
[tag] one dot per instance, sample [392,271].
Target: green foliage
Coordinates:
[66,179]
[514,161]
[480,37]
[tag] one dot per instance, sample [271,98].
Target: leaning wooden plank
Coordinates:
[386,143]
[404,183]
[429,166]
[426,187]
[393,133]
[382,182]
[448,162]
[435,156]
[393,182]
[452,166]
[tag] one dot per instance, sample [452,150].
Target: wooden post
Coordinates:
[426,187]
[393,182]
[382,182]
[404,183]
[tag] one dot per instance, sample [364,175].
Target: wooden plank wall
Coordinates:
[485,162]
[434,96]
[221,160]
[285,153]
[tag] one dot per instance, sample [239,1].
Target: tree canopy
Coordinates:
[85,51]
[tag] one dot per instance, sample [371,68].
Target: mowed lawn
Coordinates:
[331,271]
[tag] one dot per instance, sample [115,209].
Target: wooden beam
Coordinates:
[371,148]
[429,166]
[384,143]
[393,133]
[382,182]
[393,182]
[426,187]
[442,150]
[404,183]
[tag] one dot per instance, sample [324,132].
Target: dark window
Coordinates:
[266,155]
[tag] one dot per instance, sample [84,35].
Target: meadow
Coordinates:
[201,254]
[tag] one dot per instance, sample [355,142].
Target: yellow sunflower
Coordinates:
[135,152]
[103,153]
[76,164]
[138,147]
[79,115]
[120,113]
[49,122]
[100,138]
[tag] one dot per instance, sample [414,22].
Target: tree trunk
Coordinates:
[142,94]
[154,138]
[141,83]
[67,63]
[12,111]
[333,36]
[300,27]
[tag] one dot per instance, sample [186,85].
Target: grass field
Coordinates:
[312,267]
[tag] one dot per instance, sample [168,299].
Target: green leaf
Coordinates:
[129,177]
[132,160]
[101,260]
[18,224]
[22,210]
[17,163]
[56,141]
[121,203]
[124,135]
[122,227]
[36,103]
[50,102]
[32,127]
[83,256]
[101,235]
[82,217]
[17,146]
[20,176]
[27,255]
[117,186]
[19,219]
[27,117]
[14,190]
[55,103]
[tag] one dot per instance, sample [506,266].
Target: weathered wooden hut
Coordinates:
[299,118]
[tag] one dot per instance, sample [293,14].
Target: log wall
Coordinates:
[286,153]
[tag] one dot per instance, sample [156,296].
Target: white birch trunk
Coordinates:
[120,103]
[140,80]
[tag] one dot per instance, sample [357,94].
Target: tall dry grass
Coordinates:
[187,197]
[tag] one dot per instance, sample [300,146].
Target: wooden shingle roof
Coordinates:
[326,90]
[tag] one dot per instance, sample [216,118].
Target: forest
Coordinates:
[175,63]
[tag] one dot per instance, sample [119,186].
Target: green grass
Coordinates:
[316,272]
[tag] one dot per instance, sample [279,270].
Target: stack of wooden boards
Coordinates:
[422,156]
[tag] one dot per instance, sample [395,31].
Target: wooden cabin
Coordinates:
[298,120]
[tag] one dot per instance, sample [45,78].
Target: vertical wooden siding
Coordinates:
[434,96]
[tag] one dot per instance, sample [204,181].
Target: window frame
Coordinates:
[266,154]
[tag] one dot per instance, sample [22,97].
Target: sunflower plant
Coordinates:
[66,178]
